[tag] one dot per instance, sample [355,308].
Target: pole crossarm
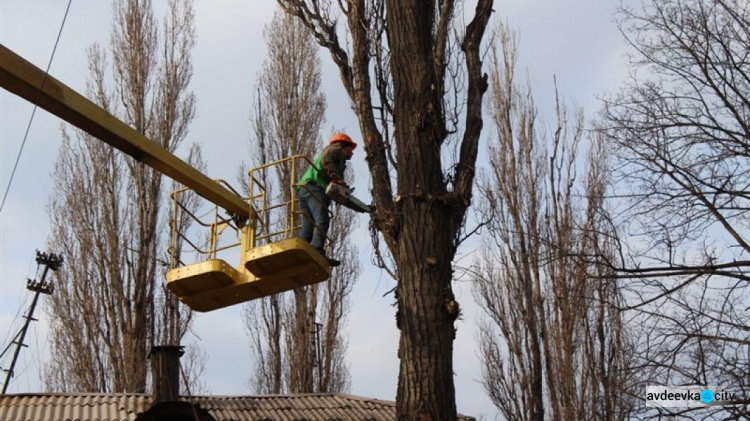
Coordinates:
[31,83]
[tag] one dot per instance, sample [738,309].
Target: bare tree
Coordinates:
[417,114]
[680,128]
[174,317]
[553,344]
[107,210]
[297,338]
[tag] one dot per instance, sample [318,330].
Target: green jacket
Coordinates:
[328,166]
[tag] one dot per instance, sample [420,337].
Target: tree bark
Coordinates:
[426,311]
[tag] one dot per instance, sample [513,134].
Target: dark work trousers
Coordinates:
[315,219]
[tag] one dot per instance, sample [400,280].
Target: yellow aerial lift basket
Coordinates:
[271,258]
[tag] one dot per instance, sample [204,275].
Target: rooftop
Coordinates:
[124,406]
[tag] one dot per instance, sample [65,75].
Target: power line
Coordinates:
[33,112]
[15,324]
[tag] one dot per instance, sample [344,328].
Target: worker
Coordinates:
[327,168]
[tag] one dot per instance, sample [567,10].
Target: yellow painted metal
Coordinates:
[210,285]
[259,200]
[199,278]
[272,259]
[269,269]
[286,260]
[22,78]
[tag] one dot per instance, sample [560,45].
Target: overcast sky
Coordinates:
[575,41]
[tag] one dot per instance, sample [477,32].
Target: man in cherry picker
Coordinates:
[327,168]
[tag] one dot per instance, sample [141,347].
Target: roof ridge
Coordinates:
[292,395]
[240,396]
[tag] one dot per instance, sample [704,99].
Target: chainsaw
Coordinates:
[343,195]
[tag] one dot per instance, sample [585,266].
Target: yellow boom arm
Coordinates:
[22,78]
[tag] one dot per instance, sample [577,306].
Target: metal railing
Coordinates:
[277,215]
[183,218]
[274,215]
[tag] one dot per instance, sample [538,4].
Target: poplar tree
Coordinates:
[107,212]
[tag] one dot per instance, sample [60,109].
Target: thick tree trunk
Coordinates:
[426,312]
[424,241]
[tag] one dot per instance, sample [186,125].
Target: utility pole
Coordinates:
[50,261]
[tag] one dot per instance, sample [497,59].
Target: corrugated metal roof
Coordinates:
[122,407]
[73,407]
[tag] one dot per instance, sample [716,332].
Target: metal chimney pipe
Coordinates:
[165,372]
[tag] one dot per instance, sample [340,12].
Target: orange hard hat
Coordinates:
[342,137]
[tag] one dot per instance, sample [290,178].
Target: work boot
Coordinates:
[331,262]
